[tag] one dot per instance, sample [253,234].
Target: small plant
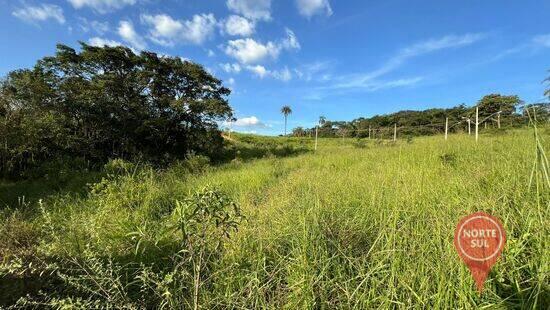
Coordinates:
[448,159]
[205,221]
[540,174]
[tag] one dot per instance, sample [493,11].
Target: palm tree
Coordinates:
[286,110]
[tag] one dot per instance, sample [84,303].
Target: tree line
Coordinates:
[432,121]
[108,102]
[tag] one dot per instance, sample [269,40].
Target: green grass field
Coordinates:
[357,224]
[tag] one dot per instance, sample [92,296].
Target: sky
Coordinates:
[339,59]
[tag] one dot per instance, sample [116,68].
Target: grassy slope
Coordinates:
[346,227]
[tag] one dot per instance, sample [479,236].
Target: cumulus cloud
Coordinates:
[252,9]
[308,8]
[100,42]
[248,122]
[260,71]
[231,68]
[102,6]
[127,32]
[249,51]
[40,13]
[168,31]
[236,25]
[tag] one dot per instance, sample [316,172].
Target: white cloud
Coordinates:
[251,121]
[283,75]
[94,25]
[542,40]
[291,41]
[249,51]
[308,8]
[252,9]
[168,31]
[100,42]
[260,71]
[231,81]
[102,6]
[231,68]
[238,26]
[127,32]
[211,53]
[40,13]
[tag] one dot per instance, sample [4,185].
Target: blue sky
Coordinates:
[340,59]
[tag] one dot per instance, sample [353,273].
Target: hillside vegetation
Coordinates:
[357,224]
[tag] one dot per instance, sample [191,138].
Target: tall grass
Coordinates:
[354,225]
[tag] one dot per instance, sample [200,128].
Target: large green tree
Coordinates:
[494,103]
[105,102]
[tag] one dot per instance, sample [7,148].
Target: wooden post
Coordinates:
[469,128]
[477,123]
[316,131]
[369,132]
[498,120]
[446,127]
[395,132]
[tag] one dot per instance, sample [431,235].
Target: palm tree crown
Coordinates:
[286,110]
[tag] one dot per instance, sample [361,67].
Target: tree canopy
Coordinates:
[106,102]
[494,103]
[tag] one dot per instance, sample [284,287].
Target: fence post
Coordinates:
[369,132]
[316,130]
[446,127]
[469,128]
[477,123]
[395,132]
[498,120]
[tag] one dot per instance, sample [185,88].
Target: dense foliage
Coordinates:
[432,121]
[107,102]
